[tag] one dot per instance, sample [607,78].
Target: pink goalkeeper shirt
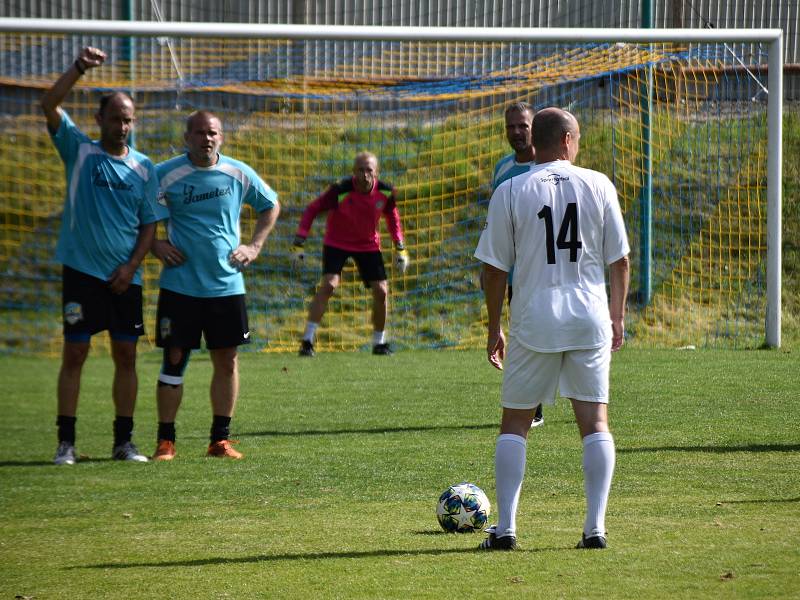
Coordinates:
[353,217]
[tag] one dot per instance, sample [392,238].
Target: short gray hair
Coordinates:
[365,155]
[550,125]
[519,107]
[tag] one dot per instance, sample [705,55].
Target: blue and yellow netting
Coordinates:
[432,112]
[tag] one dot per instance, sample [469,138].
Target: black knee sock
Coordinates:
[66,429]
[123,430]
[220,428]
[166,431]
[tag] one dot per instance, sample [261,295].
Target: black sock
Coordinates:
[166,431]
[220,428]
[66,429]
[123,430]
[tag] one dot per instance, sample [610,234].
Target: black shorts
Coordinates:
[182,319]
[370,264]
[89,306]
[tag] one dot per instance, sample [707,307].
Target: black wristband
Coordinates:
[79,68]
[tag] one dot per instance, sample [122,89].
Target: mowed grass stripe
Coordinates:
[346,455]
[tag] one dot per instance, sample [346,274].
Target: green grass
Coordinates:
[346,455]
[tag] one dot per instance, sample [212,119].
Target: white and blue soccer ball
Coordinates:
[463,508]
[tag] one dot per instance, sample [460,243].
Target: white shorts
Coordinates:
[531,378]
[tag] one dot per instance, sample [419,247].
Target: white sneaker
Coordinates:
[65,454]
[537,422]
[129,452]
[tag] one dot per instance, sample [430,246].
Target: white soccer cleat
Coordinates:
[129,452]
[65,454]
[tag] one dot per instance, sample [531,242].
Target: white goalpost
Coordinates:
[771,39]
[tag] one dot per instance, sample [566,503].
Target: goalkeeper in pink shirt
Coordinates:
[354,206]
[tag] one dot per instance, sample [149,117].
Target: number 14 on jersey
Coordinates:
[567,234]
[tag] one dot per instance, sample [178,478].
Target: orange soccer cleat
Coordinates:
[223,449]
[165,450]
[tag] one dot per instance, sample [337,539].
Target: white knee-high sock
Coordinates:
[311,330]
[598,467]
[509,469]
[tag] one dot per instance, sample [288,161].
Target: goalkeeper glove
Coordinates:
[298,254]
[402,260]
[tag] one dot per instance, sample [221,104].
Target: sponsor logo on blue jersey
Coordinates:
[99,179]
[189,197]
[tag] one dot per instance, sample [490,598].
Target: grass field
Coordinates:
[346,455]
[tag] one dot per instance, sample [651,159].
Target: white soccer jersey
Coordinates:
[558,226]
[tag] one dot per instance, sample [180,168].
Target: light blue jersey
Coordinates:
[203,206]
[506,168]
[107,200]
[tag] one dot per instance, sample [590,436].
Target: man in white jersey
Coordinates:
[559,226]
[519,129]
[202,287]
[107,227]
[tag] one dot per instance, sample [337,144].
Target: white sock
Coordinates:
[509,469]
[311,330]
[378,337]
[598,468]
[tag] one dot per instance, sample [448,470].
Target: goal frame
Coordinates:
[772,38]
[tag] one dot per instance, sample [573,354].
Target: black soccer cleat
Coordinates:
[595,541]
[306,348]
[538,417]
[507,542]
[382,350]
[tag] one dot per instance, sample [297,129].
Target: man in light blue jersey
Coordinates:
[202,287]
[519,119]
[107,228]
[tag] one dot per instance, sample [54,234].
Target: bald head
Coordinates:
[113,100]
[365,171]
[116,118]
[555,135]
[202,116]
[203,137]
[365,156]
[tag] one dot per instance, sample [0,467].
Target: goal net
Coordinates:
[694,116]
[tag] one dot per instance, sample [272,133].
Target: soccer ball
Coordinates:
[463,508]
